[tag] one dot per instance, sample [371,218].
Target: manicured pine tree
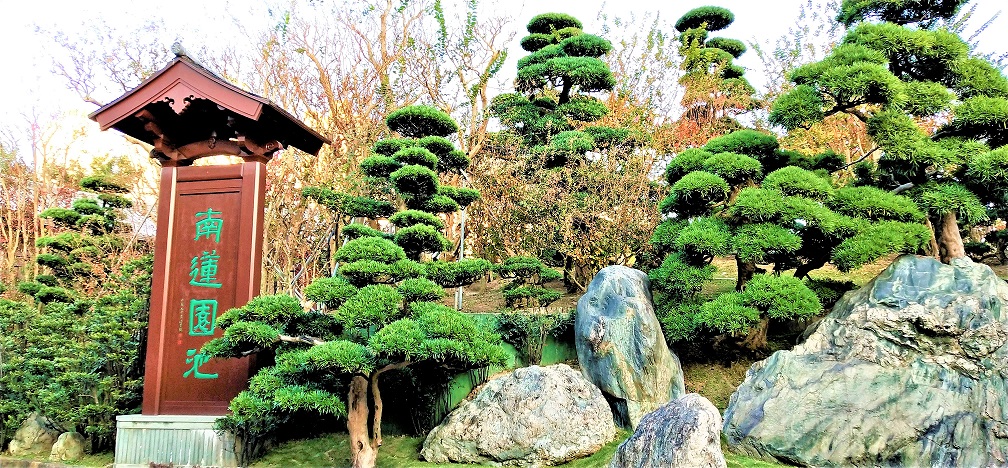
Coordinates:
[552,122]
[720,203]
[527,275]
[899,71]
[552,107]
[379,314]
[715,88]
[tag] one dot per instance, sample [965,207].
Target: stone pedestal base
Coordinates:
[183,441]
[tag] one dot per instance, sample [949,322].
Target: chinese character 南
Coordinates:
[203,270]
[210,225]
[197,360]
[202,317]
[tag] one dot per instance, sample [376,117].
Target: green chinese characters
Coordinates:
[202,317]
[210,224]
[203,270]
[203,274]
[197,360]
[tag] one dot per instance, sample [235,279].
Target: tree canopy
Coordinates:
[742,196]
[715,89]
[932,107]
[554,86]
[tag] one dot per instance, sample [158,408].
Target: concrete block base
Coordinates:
[182,441]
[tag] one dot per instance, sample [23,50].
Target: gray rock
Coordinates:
[621,347]
[35,437]
[534,416]
[69,446]
[685,432]
[911,369]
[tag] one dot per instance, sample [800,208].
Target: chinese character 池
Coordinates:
[203,270]
[210,225]
[202,317]
[197,360]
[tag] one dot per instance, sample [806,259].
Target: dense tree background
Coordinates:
[72,342]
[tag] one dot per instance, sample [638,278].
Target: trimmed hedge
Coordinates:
[456,274]
[716,19]
[415,181]
[732,46]
[370,248]
[407,218]
[586,45]
[420,121]
[415,156]
[330,292]
[389,146]
[379,166]
[547,23]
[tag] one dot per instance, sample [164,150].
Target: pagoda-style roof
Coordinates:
[186,112]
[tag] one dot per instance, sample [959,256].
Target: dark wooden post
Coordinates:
[208,248]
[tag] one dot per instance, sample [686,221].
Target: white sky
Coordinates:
[30,86]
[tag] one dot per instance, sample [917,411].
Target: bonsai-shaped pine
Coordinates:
[721,204]
[574,176]
[902,76]
[406,169]
[528,330]
[552,99]
[71,351]
[377,315]
[715,90]
[987,177]
[527,275]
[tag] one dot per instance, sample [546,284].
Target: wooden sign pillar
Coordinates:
[208,257]
[208,250]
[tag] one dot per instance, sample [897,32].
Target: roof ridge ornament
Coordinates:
[178,50]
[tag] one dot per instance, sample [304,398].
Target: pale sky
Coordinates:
[30,86]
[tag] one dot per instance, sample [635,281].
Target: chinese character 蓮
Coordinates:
[203,270]
[210,225]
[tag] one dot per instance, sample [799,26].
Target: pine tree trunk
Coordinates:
[933,244]
[376,432]
[803,270]
[363,454]
[950,242]
[746,270]
[565,93]
[756,339]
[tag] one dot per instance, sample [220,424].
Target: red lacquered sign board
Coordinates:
[207,260]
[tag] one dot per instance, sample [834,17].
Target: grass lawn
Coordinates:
[404,452]
[91,460]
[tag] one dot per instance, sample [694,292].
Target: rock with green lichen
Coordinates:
[620,345]
[909,370]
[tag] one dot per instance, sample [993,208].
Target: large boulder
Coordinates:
[69,446]
[909,370]
[621,347]
[685,432]
[35,437]
[534,416]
